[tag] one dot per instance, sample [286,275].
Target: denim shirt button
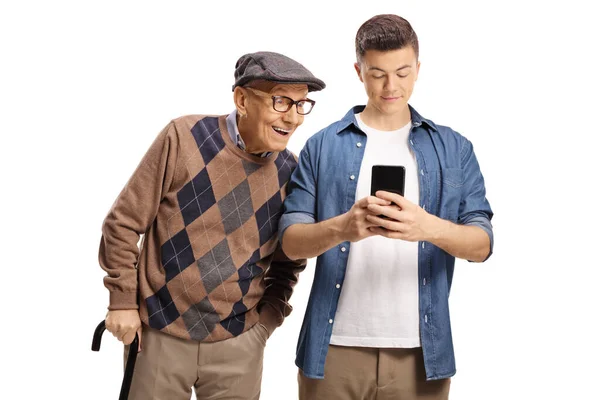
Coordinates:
[337,286]
[352,177]
[331,321]
[359,144]
[343,249]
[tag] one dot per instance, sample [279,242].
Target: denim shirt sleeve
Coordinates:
[300,204]
[474,208]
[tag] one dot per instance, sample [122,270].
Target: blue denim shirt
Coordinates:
[450,186]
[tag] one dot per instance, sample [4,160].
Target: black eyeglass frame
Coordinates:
[291,102]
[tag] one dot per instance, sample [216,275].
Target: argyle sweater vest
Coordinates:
[209,213]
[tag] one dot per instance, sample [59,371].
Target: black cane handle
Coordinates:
[131,357]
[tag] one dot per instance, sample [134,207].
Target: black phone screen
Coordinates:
[389,178]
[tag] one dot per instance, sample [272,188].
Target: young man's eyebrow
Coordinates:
[379,69]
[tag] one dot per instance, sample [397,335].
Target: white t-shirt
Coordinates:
[379,302]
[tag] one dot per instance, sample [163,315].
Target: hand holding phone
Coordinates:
[389,178]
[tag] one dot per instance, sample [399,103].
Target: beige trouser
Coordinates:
[168,367]
[364,373]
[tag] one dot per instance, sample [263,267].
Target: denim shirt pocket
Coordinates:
[451,180]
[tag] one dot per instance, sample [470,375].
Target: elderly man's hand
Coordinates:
[406,220]
[124,324]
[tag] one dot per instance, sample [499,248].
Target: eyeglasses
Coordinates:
[283,104]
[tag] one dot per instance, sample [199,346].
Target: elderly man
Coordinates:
[210,282]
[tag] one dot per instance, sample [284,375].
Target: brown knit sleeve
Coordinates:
[280,279]
[131,215]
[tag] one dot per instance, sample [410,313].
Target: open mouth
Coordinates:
[281,131]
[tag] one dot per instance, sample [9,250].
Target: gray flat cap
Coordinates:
[274,67]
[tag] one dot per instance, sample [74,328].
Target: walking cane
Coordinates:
[133,350]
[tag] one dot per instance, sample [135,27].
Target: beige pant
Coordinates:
[363,373]
[168,367]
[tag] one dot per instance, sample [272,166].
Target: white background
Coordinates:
[85,87]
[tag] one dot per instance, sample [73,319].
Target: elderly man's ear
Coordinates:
[240,99]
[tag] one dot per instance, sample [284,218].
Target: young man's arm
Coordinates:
[412,224]
[462,241]
[471,239]
[130,216]
[306,240]
[301,235]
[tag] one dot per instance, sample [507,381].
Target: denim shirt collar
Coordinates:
[350,118]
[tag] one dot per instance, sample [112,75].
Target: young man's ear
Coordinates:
[357,68]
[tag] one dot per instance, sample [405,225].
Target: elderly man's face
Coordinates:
[263,128]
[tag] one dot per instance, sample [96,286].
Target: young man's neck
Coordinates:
[375,119]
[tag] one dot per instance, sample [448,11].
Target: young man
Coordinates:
[210,283]
[377,324]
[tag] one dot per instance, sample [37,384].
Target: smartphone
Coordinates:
[389,178]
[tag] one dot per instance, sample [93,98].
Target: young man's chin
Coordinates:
[393,108]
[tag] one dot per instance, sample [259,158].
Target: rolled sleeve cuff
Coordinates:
[290,219]
[486,225]
[123,300]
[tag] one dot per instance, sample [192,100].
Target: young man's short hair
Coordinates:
[385,32]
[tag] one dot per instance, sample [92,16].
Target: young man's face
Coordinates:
[389,78]
[264,128]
